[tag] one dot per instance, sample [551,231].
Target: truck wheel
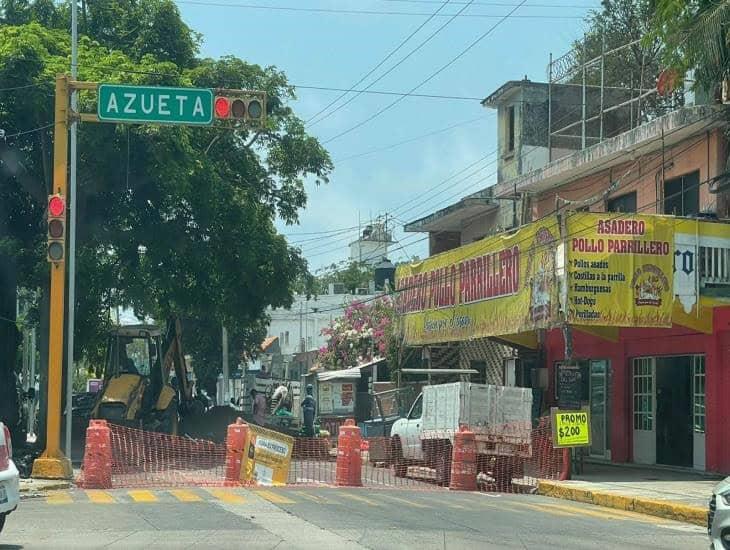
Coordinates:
[396,456]
[443,466]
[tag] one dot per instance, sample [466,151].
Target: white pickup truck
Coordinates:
[499,416]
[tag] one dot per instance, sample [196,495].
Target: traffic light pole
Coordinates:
[52,464]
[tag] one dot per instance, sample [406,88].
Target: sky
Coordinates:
[332,48]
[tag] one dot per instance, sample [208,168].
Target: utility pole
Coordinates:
[52,464]
[72,233]
[224,337]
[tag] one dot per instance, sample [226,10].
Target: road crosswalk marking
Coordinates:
[274,497]
[59,498]
[185,496]
[228,497]
[142,496]
[100,497]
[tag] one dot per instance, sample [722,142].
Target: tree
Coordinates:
[622,25]
[365,331]
[355,275]
[694,35]
[172,220]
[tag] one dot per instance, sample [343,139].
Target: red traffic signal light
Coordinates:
[56,206]
[240,105]
[222,107]
[56,249]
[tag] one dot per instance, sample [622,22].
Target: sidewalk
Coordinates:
[676,495]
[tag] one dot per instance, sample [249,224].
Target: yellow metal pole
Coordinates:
[52,464]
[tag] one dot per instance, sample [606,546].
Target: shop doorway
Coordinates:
[669,410]
[674,444]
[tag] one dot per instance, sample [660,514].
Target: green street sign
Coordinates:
[155,104]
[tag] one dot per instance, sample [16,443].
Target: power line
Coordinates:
[380,92]
[366,12]
[501,4]
[392,52]
[410,140]
[23,87]
[22,133]
[400,61]
[429,78]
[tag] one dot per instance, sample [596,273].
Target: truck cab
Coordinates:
[408,431]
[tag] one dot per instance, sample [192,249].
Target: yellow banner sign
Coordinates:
[267,457]
[620,270]
[571,428]
[497,286]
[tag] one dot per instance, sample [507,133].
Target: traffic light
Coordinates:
[56,228]
[240,105]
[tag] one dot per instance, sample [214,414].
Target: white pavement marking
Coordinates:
[289,529]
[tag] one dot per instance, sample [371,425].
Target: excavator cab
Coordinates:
[138,386]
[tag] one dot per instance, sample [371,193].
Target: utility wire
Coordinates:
[430,77]
[409,140]
[367,12]
[379,92]
[400,62]
[380,64]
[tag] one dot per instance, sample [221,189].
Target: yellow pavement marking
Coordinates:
[227,496]
[275,498]
[59,498]
[142,496]
[100,497]
[546,509]
[606,513]
[314,498]
[185,496]
[404,501]
[358,498]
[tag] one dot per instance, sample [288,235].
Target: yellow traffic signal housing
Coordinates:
[56,248]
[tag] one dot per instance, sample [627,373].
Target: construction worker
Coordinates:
[309,406]
[259,407]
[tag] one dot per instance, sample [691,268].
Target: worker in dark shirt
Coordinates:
[309,407]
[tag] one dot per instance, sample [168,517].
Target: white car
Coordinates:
[9,477]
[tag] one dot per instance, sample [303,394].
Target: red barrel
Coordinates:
[349,465]
[235,442]
[464,461]
[97,472]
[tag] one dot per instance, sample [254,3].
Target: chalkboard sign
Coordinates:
[569,387]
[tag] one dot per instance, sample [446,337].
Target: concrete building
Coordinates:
[372,244]
[656,395]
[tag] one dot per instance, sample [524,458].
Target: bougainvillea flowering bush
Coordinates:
[364,332]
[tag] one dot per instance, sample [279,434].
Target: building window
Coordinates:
[644,393]
[511,128]
[698,393]
[624,203]
[309,342]
[286,338]
[682,195]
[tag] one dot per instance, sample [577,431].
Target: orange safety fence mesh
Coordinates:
[150,459]
[513,461]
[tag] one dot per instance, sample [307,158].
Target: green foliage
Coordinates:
[171,220]
[355,275]
[694,35]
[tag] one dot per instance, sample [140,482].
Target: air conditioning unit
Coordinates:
[361,291]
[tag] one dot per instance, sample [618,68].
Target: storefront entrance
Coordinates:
[669,410]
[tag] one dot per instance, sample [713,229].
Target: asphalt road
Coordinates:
[323,518]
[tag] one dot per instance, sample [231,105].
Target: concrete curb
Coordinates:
[660,508]
[39,488]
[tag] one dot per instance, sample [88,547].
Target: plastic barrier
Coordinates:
[349,465]
[235,444]
[464,461]
[97,468]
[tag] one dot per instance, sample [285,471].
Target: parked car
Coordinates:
[718,520]
[9,477]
